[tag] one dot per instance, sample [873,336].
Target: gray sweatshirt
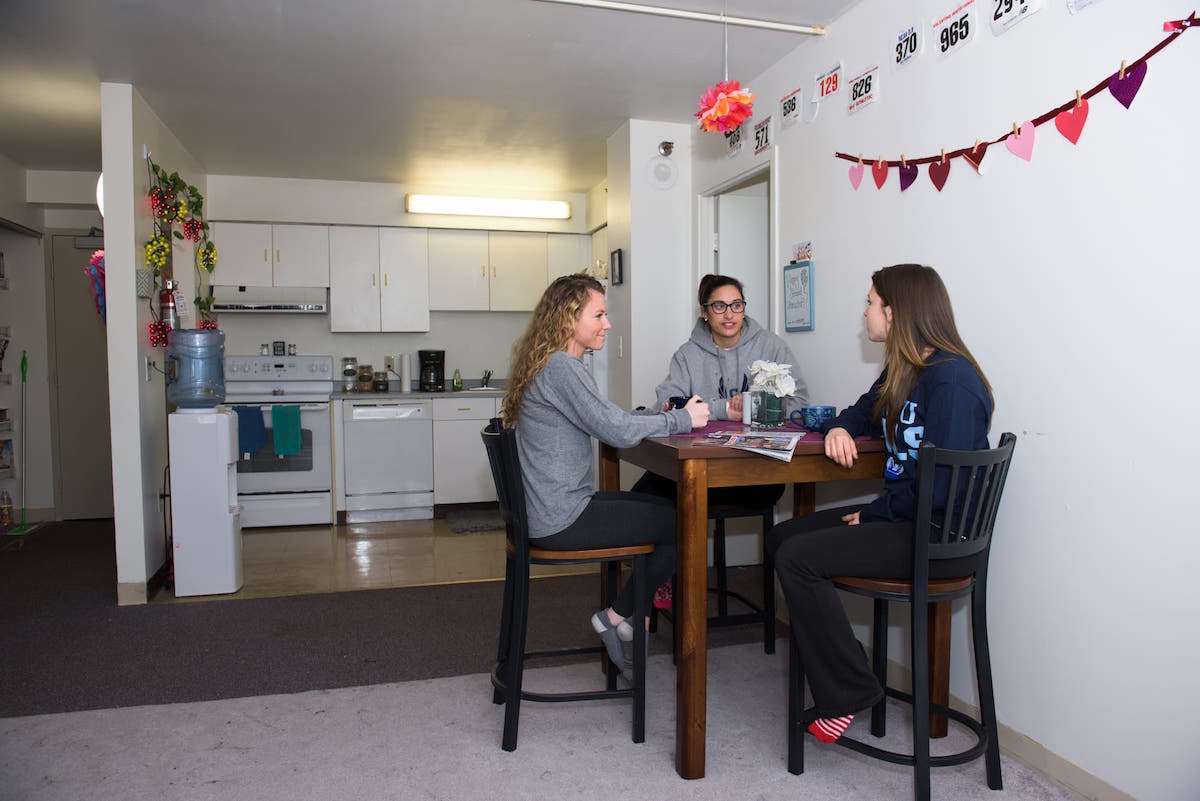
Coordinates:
[701,368]
[561,411]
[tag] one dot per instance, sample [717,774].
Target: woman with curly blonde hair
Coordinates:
[553,402]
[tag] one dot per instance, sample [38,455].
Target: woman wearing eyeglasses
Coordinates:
[715,364]
[715,361]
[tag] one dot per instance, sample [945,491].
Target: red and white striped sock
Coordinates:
[827,730]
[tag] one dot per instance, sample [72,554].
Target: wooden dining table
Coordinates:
[697,465]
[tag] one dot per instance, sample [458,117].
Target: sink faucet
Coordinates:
[487,376]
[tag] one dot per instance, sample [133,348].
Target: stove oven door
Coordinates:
[287,490]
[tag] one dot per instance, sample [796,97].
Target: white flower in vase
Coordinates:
[774,378]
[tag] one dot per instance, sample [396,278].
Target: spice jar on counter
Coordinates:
[381,381]
[366,378]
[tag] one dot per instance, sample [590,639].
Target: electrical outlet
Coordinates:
[389,363]
[148,365]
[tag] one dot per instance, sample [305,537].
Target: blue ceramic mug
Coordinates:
[813,417]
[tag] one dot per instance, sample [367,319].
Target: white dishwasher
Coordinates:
[388,459]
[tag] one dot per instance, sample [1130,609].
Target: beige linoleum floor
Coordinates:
[313,559]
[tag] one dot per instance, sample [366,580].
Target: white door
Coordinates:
[743,249]
[518,264]
[79,392]
[353,278]
[244,255]
[301,255]
[404,273]
[458,270]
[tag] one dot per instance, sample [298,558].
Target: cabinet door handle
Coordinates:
[493,271]
[385,279]
[277,259]
[483,271]
[372,279]
[266,254]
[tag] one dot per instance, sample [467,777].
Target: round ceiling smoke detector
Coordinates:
[663,172]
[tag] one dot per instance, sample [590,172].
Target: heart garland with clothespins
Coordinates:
[1069,120]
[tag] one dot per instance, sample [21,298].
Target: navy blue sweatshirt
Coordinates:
[949,407]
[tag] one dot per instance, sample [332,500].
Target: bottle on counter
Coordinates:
[456,382]
[6,517]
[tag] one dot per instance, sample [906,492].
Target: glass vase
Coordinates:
[767,410]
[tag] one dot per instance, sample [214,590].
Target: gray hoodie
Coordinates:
[561,411]
[701,368]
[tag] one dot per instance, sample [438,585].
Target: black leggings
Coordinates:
[809,550]
[624,518]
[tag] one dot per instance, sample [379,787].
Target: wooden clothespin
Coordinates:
[903,161]
[860,159]
[1121,74]
[1015,131]
[943,155]
[1078,98]
[976,148]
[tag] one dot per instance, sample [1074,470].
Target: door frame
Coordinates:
[706,229]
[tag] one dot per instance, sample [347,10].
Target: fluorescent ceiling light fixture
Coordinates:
[700,16]
[100,194]
[487,206]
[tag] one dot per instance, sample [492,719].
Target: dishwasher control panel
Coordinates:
[382,410]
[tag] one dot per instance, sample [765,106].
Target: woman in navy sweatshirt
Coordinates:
[931,389]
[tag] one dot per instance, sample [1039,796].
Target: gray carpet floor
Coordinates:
[440,739]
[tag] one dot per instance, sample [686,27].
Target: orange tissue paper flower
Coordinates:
[724,107]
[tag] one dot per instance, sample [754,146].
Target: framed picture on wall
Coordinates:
[616,267]
[798,296]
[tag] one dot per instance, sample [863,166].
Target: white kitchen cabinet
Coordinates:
[458,270]
[518,269]
[404,279]
[567,254]
[353,278]
[482,270]
[379,279]
[461,473]
[257,254]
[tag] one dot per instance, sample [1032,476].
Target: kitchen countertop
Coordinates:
[394,393]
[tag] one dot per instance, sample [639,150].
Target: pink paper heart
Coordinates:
[908,174]
[1126,89]
[939,171]
[1070,122]
[879,171]
[856,176]
[1021,144]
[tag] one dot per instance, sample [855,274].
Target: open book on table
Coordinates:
[777,445]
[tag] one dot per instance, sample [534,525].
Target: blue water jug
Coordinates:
[195,367]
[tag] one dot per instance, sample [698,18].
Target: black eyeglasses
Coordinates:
[719,306]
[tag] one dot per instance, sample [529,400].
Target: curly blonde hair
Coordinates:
[550,329]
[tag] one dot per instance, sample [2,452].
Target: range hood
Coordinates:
[306,299]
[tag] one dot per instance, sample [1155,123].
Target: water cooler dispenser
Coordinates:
[206,522]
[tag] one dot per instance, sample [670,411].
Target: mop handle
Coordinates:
[24,371]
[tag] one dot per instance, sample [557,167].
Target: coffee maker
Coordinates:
[433,370]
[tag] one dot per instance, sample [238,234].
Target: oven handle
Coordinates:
[304,407]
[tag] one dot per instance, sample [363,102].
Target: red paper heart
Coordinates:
[974,156]
[879,171]
[939,171]
[1070,122]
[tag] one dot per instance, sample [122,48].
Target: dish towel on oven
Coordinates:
[252,434]
[285,420]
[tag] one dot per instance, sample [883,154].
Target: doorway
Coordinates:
[736,224]
[79,416]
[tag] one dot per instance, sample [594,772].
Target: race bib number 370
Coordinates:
[955,29]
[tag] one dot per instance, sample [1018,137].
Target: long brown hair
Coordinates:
[922,318]
[550,329]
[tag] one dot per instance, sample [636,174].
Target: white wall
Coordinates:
[138,407]
[13,204]
[1073,280]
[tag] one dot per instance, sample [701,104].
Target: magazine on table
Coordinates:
[777,445]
